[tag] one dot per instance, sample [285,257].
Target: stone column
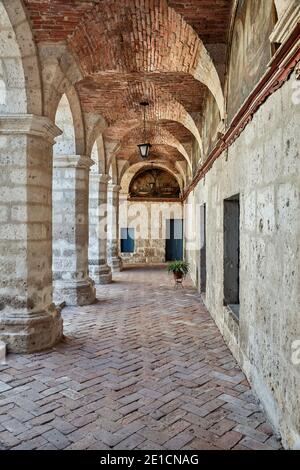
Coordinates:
[99,269]
[114,259]
[29,320]
[71,280]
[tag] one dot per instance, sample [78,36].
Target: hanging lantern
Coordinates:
[145,147]
[144,150]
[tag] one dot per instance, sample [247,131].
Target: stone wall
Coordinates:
[262,166]
[149,222]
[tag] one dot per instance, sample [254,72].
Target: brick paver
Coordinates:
[143,368]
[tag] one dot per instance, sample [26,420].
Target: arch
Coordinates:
[183,50]
[180,167]
[154,182]
[20,83]
[98,156]
[163,107]
[56,84]
[95,125]
[123,127]
[129,173]
[65,144]
[113,171]
[75,107]
[159,153]
[157,136]
[68,118]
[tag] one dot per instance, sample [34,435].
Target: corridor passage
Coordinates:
[143,368]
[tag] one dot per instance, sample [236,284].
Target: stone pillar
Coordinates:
[29,320]
[114,259]
[71,281]
[99,269]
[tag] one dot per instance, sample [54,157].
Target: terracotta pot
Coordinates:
[177,275]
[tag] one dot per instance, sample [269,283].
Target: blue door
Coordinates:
[174,240]
[127,240]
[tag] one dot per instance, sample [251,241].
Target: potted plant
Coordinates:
[179,269]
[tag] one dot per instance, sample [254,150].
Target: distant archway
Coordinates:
[154,183]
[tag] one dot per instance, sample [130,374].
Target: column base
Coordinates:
[74,292]
[101,273]
[33,332]
[116,264]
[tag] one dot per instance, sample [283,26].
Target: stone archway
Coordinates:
[70,209]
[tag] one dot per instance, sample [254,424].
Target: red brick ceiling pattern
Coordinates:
[55,20]
[126,112]
[157,135]
[209,18]
[132,50]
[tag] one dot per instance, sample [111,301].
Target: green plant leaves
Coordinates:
[178,267]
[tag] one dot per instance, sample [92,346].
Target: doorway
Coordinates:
[203,249]
[174,239]
[232,254]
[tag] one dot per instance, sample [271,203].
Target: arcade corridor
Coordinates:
[145,367]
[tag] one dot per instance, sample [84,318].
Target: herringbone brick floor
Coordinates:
[144,368]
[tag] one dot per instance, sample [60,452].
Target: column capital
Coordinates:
[72,161]
[113,187]
[29,124]
[101,177]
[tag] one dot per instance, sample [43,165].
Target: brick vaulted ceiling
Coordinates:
[132,50]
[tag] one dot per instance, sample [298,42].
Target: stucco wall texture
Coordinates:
[262,166]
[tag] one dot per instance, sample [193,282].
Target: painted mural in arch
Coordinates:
[210,122]
[251,50]
[154,183]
